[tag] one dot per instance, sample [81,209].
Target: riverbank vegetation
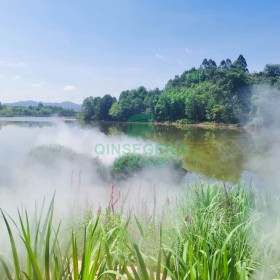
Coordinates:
[211,232]
[123,167]
[211,93]
[36,111]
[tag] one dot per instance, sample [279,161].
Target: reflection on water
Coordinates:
[217,153]
[214,152]
[32,121]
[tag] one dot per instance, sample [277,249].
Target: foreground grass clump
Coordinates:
[55,157]
[205,235]
[213,241]
[126,165]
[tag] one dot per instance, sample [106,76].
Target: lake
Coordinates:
[217,153]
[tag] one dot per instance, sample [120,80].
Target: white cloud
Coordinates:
[17,77]
[69,88]
[160,57]
[39,84]
[12,64]
[188,51]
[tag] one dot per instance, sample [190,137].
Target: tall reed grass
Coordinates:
[207,234]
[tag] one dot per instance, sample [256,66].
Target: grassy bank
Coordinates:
[208,234]
[179,123]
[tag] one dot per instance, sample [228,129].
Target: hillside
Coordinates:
[210,93]
[27,103]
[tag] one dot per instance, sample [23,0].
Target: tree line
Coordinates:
[35,111]
[211,93]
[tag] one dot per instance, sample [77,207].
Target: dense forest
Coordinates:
[35,111]
[212,93]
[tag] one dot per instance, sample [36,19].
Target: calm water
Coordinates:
[217,153]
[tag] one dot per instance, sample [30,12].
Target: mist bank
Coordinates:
[144,214]
[66,159]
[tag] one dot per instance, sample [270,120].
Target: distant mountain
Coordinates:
[65,104]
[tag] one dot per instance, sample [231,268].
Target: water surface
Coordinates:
[218,153]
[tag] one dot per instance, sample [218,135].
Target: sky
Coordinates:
[54,50]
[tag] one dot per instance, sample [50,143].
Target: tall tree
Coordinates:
[208,64]
[150,101]
[87,110]
[91,109]
[225,64]
[105,105]
[204,64]
[228,63]
[272,70]
[212,64]
[97,108]
[240,64]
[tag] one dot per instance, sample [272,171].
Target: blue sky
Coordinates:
[68,50]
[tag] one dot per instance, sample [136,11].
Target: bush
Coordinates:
[128,164]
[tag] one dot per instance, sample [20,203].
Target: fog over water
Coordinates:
[75,181]
[43,156]
[209,154]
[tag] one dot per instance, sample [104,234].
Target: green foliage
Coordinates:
[91,109]
[240,64]
[144,117]
[128,164]
[53,156]
[272,70]
[131,102]
[106,103]
[226,65]
[207,94]
[207,235]
[36,111]
[211,241]
[208,64]
[115,111]
[87,112]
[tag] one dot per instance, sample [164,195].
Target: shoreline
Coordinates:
[179,125]
[202,125]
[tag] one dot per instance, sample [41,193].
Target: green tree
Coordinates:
[272,70]
[131,102]
[209,93]
[115,111]
[87,110]
[204,64]
[105,106]
[195,107]
[96,108]
[91,109]
[208,64]
[162,108]
[240,64]
[151,100]
[225,64]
